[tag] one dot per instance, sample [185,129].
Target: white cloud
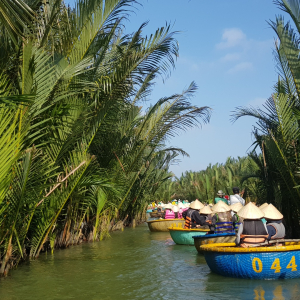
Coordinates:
[231,57]
[231,37]
[243,66]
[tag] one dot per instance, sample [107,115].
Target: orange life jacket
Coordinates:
[188,219]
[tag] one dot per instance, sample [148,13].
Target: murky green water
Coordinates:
[134,264]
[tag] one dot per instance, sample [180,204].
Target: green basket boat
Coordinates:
[183,236]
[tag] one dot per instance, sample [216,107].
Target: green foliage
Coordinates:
[77,154]
[205,184]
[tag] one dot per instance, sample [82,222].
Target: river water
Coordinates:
[134,264]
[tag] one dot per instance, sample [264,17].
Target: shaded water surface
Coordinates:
[134,264]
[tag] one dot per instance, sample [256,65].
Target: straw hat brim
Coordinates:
[263,205]
[236,207]
[272,213]
[220,207]
[196,205]
[250,211]
[206,210]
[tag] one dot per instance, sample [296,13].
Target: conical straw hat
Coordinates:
[196,205]
[272,213]
[250,211]
[263,205]
[175,209]
[180,205]
[220,207]
[206,210]
[168,206]
[236,207]
[187,205]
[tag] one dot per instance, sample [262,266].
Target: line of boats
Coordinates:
[278,259]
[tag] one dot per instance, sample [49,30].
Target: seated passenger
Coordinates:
[205,217]
[192,215]
[221,197]
[175,210]
[252,231]
[276,229]
[168,213]
[236,220]
[222,220]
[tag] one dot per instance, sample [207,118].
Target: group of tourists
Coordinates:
[253,225]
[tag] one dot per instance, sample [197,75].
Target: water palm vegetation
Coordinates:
[77,151]
[278,123]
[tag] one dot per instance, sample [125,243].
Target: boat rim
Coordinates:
[188,229]
[213,235]
[231,248]
[160,220]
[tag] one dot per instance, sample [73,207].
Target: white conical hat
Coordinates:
[220,207]
[210,204]
[263,205]
[236,207]
[168,206]
[175,208]
[181,205]
[206,210]
[272,213]
[250,211]
[196,205]
[187,205]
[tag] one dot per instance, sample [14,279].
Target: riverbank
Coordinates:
[133,264]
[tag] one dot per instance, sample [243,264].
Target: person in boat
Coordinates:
[236,198]
[236,220]
[222,219]
[220,197]
[192,215]
[275,227]
[168,212]
[205,217]
[252,232]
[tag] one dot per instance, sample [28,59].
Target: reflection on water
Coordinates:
[134,264]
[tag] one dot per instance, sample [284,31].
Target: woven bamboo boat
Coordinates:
[164,224]
[200,240]
[271,262]
[153,215]
[183,236]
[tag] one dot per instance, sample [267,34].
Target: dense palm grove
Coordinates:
[204,185]
[78,153]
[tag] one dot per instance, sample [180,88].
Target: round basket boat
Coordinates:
[164,224]
[153,215]
[183,236]
[272,262]
[200,240]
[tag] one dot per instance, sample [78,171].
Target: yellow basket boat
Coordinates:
[164,224]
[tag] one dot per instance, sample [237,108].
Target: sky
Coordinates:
[226,47]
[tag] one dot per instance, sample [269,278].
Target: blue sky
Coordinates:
[226,48]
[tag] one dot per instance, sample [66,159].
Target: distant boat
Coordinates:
[164,224]
[264,262]
[200,240]
[183,236]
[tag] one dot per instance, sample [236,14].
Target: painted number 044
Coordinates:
[258,266]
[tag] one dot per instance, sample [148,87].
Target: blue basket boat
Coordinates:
[183,236]
[200,240]
[272,262]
